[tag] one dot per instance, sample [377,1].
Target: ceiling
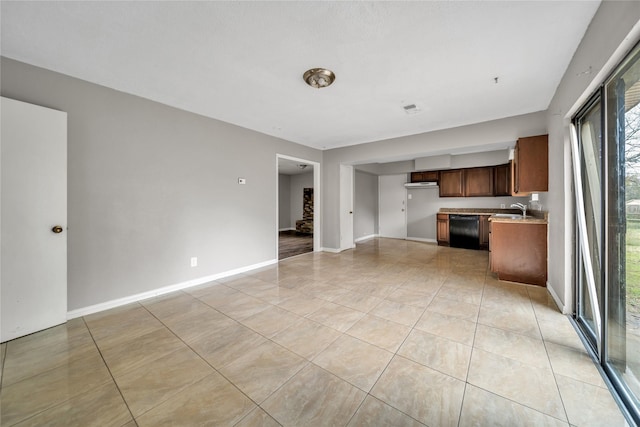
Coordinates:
[242,62]
[290,167]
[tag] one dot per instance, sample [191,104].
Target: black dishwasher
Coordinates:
[464,231]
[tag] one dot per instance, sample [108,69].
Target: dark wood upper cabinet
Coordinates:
[425,176]
[478,182]
[530,166]
[502,180]
[452,183]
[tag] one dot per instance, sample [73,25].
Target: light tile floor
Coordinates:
[392,333]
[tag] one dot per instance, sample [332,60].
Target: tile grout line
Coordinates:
[546,350]
[473,346]
[109,370]
[202,358]
[258,404]
[387,367]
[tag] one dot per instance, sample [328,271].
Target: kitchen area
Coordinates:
[477,201]
[514,234]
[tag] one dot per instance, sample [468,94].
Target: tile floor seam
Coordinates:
[464,395]
[364,342]
[473,348]
[519,403]
[603,386]
[385,403]
[553,372]
[109,370]
[222,374]
[200,379]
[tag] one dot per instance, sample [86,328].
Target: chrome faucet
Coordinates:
[522,207]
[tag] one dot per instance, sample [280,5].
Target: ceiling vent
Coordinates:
[411,109]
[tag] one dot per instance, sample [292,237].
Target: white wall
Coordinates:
[613,31]
[284,202]
[298,183]
[150,186]
[365,210]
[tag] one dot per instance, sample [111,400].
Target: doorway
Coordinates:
[297,206]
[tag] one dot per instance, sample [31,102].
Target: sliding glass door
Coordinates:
[606,147]
[589,225]
[622,356]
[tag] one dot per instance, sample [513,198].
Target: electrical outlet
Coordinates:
[502,206]
[194,261]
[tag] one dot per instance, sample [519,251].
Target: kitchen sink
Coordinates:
[510,216]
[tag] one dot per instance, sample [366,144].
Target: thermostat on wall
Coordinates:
[242,181]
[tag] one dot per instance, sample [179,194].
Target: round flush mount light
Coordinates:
[319,77]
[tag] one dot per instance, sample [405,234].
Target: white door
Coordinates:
[33,181]
[346,207]
[392,206]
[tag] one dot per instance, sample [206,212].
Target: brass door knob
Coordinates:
[57,229]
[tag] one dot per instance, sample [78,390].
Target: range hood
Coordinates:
[421,185]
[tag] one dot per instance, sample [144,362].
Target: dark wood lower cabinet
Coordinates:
[442,229]
[519,252]
[484,231]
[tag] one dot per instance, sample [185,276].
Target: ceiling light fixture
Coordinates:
[319,77]
[302,166]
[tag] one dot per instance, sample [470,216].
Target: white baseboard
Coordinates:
[422,239]
[556,299]
[287,229]
[332,250]
[370,236]
[164,290]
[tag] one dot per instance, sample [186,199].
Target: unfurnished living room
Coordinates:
[357,213]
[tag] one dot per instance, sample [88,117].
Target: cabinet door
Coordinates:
[478,182]
[451,183]
[531,165]
[484,231]
[502,180]
[522,259]
[442,228]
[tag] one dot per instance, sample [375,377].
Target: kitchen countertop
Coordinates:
[533,217]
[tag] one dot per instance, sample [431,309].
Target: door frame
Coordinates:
[317,200]
[346,192]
